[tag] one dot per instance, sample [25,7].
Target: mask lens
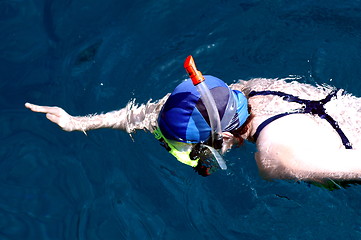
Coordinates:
[209,159]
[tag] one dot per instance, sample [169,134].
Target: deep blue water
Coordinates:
[94,56]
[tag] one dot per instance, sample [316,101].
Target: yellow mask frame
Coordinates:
[181,156]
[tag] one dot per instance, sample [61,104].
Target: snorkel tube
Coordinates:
[208,101]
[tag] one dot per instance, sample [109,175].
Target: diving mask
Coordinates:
[203,158]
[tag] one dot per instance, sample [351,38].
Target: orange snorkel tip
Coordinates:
[192,71]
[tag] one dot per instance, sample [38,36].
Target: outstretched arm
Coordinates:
[129,119]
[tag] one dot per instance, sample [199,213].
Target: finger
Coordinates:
[36,108]
[29,105]
[53,118]
[227,135]
[42,109]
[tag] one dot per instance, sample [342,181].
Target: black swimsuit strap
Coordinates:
[310,106]
[268,121]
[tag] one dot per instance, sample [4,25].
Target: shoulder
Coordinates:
[292,85]
[253,84]
[287,146]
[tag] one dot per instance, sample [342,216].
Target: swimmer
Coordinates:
[302,132]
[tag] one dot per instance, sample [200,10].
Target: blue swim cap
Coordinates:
[184,117]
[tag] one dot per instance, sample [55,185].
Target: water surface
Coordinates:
[94,56]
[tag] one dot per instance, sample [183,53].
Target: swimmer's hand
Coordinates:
[228,141]
[56,115]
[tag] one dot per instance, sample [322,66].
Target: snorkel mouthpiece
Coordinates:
[209,103]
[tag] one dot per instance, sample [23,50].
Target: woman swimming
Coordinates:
[302,132]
